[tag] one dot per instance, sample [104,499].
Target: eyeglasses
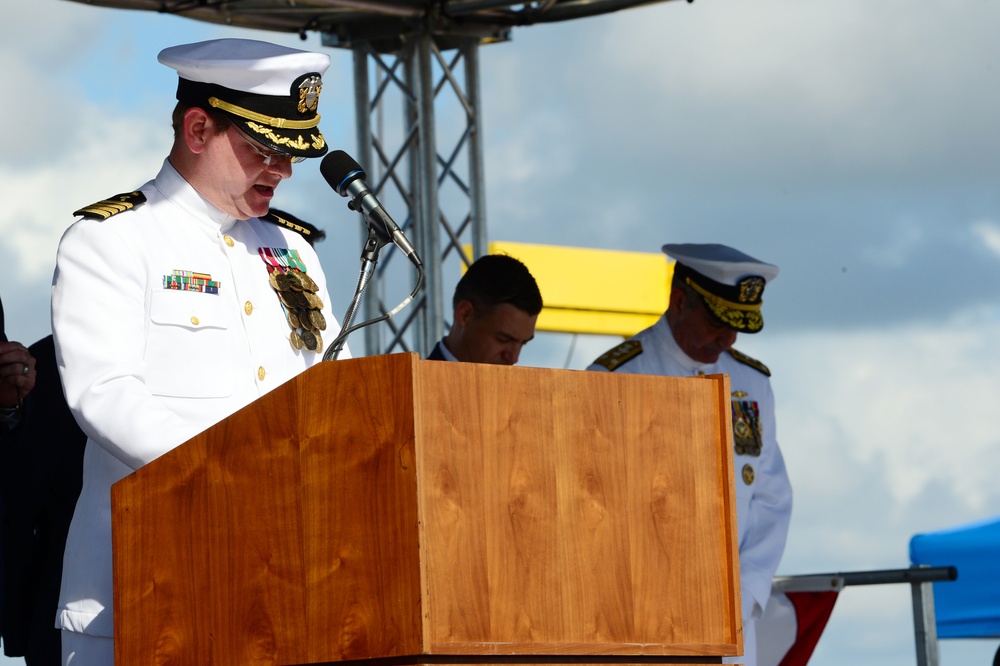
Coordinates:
[269,156]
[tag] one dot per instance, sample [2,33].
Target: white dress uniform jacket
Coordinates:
[763,491]
[145,367]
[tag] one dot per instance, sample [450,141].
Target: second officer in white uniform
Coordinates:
[714,295]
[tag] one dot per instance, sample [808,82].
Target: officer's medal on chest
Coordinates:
[748,436]
[297,293]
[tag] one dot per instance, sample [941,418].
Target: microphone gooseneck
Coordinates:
[347,179]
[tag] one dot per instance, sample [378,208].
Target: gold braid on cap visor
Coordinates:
[279,123]
[737,316]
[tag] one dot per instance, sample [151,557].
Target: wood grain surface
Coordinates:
[388,507]
[572,512]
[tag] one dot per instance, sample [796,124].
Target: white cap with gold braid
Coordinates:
[271,92]
[729,281]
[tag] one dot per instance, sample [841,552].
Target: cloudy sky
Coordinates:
[852,143]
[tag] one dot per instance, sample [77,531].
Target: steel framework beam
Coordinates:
[427,170]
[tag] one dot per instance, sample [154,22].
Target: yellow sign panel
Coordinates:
[595,291]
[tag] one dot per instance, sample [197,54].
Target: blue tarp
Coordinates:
[970,606]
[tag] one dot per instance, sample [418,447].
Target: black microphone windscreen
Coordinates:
[339,168]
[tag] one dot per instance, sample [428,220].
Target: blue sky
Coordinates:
[852,143]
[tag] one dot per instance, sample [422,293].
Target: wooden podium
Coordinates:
[426,512]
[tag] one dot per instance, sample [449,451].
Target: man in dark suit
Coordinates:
[496,305]
[17,378]
[41,474]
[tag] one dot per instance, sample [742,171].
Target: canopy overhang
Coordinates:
[382,23]
[969,607]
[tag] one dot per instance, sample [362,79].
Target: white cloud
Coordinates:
[860,87]
[895,248]
[988,233]
[919,400]
[57,25]
[33,221]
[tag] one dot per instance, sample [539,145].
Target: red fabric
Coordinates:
[812,611]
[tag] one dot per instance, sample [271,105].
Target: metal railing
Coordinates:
[919,577]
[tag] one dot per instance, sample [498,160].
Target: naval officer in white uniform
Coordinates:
[716,293]
[178,303]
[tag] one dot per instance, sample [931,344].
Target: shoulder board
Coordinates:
[752,362]
[623,353]
[308,231]
[119,203]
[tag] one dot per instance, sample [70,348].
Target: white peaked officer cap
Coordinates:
[270,92]
[730,282]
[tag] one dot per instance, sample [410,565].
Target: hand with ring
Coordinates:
[17,373]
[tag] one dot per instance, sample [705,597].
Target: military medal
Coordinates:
[313,301]
[285,283]
[309,339]
[293,299]
[747,432]
[296,292]
[317,319]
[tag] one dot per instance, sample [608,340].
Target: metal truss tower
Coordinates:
[430,164]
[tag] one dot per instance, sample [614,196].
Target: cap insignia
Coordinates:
[624,352]
[309,91]
[751,288]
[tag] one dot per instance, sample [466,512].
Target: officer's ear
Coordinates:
[198,129]
[464,311]
[676,300]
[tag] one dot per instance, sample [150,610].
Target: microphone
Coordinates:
[347,178]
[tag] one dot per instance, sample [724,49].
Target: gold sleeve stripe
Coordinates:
[752,362]
[623,353]
[119,203]
[291,225]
